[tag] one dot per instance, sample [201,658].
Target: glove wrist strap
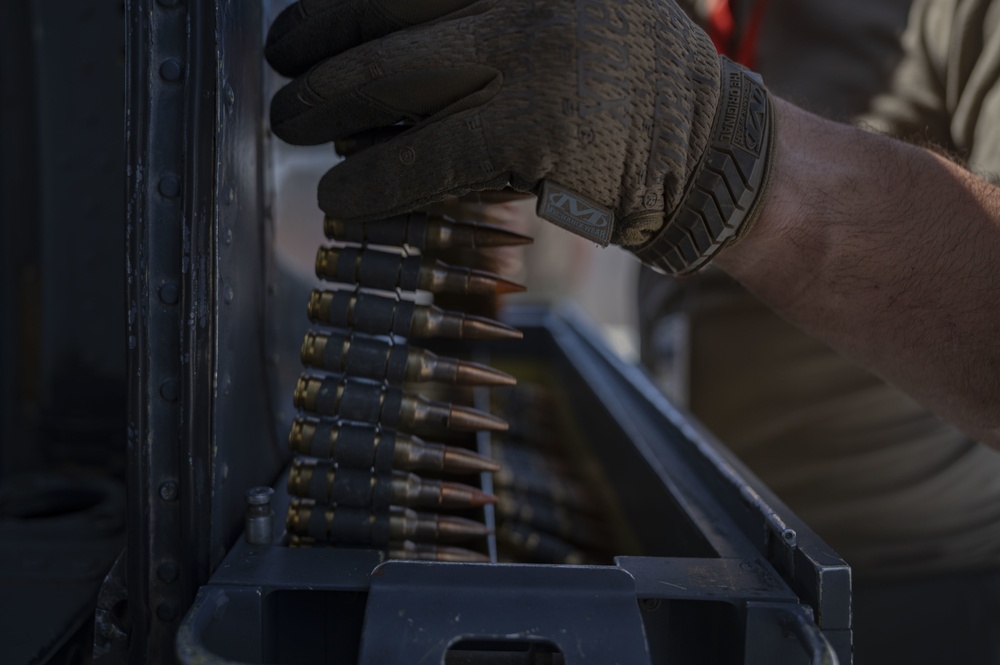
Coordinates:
[720,202]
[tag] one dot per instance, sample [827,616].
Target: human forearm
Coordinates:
[890,254]
[632,131]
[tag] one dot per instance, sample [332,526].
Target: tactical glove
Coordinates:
[618,114]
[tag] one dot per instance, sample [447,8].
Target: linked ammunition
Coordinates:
[540,547]
[521,456]
[362,526]
[420,552]
[380,315]
[325,482]
[550,518]
[386,270]
[361,445]
[561,490]
[382,359]
[367,401]
[301,541]
[423,231]
[544,436]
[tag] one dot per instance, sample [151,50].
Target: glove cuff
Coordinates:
[721,199]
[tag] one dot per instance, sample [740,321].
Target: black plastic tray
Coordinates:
[731,576]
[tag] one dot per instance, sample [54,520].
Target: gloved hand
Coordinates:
[618,114]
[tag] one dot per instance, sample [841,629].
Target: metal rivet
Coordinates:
[168,572]
[170,186]
[168,491]
[166,612]
[649,604]
[227,236]
[172,69]
[230,195]
[169,293]
[228,295]
[169,390]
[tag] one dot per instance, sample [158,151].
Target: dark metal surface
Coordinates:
[289,597]
[588,613]
[111,617]
[245,368]
[808,564]
[157,94]
[713,585]
[200,419]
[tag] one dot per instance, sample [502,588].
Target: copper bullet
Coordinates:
[424,231]
[411,551]
[367,401]
[540,547]
[362,526]
[361,445]
[550,518]
[390,270]
[380,315]
[383,359]
[325,482]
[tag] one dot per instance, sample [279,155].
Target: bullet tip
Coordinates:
[479,327]
[460,527]
[457,495]
[492,233]
[505,286]
[457,460]
[469,373]
[464,418]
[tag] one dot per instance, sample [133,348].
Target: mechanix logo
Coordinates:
[743,111]
[575,213]
[755,118]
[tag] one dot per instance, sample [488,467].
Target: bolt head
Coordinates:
[168,491]
[259,496]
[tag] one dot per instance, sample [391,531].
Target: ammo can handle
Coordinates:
[813,640]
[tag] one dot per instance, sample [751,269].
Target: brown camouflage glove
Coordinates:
[618,114]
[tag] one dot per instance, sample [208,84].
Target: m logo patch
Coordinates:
[575,213]
[755,118]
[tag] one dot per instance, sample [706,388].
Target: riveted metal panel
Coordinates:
[200,420]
